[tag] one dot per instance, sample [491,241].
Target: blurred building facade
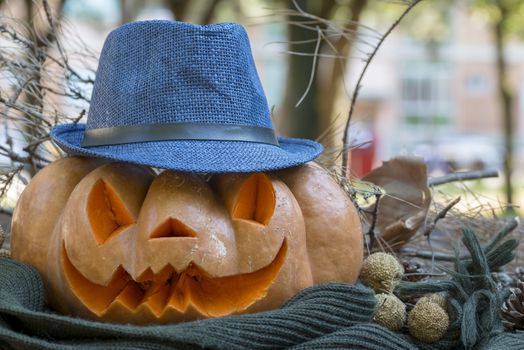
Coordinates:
[440,100]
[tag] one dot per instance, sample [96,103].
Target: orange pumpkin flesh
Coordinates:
[167,290]
[172,228]
[107,214]
[139,248]
[255,200]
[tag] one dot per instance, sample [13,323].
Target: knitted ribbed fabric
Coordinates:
[329,316]
[506,341]
[310,314]
[361,336]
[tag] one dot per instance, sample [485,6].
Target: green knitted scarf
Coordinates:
[329,316]
[316,318]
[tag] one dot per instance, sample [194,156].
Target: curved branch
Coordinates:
[345,141]
[462,176]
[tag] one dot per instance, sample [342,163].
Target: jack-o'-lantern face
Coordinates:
[169,247]
[138,248]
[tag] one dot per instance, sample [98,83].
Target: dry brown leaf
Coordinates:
[404,207]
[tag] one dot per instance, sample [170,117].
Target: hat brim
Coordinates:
[195,156]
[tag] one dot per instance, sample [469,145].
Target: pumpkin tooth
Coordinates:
[179,296]
[96,297]
[156,282]
[158,301]
[130,296]
[205,293]
[153,294]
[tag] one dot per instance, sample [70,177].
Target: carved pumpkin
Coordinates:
[115,242]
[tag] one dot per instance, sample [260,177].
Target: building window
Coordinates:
[477,85]
[425,95]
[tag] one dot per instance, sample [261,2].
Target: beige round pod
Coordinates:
[390,311]
[428,321]
[382,272]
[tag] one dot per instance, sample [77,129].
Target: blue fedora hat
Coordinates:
[184,97]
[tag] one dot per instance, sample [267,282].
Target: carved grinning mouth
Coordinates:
[163,293]
[167,289]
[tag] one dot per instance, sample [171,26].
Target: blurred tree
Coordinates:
[429,24]
[43,35]
[505,17]
[334,82]
[303,120]
[193,11]
[129,9]
[314,114]
[196,11]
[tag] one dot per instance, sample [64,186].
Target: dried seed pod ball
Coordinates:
[381,271]
[436,298]
[390,312]
[428,322]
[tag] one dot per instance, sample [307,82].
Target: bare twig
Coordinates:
[462,176]
[18,158]
[4,253]
[374,218]
[441,215]
[509,227]
[31,146]
[423,254]
[313,68]
[36,66]
[7,177]
[65,59]
[6,211]
[429,228]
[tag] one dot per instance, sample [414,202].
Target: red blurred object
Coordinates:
[361,156]
[361,160]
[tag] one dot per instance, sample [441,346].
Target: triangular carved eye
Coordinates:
[107,213]
[255,200]
[172,228]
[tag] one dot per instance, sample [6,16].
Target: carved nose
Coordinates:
[172,228]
